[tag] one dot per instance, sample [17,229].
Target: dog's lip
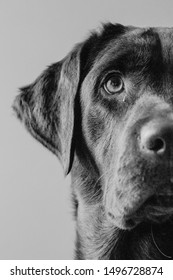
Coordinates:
[159,201]
[156,209]
[149,211]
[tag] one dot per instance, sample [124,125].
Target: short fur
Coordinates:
[123,203]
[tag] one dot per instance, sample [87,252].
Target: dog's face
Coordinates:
[114,92]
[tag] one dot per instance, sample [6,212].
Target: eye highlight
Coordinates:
[113,83]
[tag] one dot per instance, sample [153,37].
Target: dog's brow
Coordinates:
[143,50]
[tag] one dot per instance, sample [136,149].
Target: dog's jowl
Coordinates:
[106,111]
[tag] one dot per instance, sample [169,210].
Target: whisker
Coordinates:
[154,241]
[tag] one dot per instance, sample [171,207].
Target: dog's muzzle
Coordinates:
[144,171]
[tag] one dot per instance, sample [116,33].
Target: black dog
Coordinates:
[106,111]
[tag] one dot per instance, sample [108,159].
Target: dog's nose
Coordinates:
[156,137]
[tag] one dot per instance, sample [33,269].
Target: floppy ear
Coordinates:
[46,107]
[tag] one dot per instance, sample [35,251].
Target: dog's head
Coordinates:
[111,99]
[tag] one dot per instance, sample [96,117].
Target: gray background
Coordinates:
[35,209]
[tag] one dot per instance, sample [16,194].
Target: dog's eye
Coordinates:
[113,84]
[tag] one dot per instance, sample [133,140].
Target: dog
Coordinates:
[106,111]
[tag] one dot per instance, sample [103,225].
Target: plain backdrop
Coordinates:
[35,210]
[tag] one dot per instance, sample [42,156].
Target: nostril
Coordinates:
[156,144]
[156,137]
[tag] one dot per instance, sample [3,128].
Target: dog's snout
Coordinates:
[156,137]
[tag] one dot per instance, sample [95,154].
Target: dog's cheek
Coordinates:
[101,133]
[95,125]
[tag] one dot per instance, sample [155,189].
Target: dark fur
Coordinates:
[116,190]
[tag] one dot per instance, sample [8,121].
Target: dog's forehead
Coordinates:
[166,38]
[137,46]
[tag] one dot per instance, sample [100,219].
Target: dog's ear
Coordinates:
[46,107]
